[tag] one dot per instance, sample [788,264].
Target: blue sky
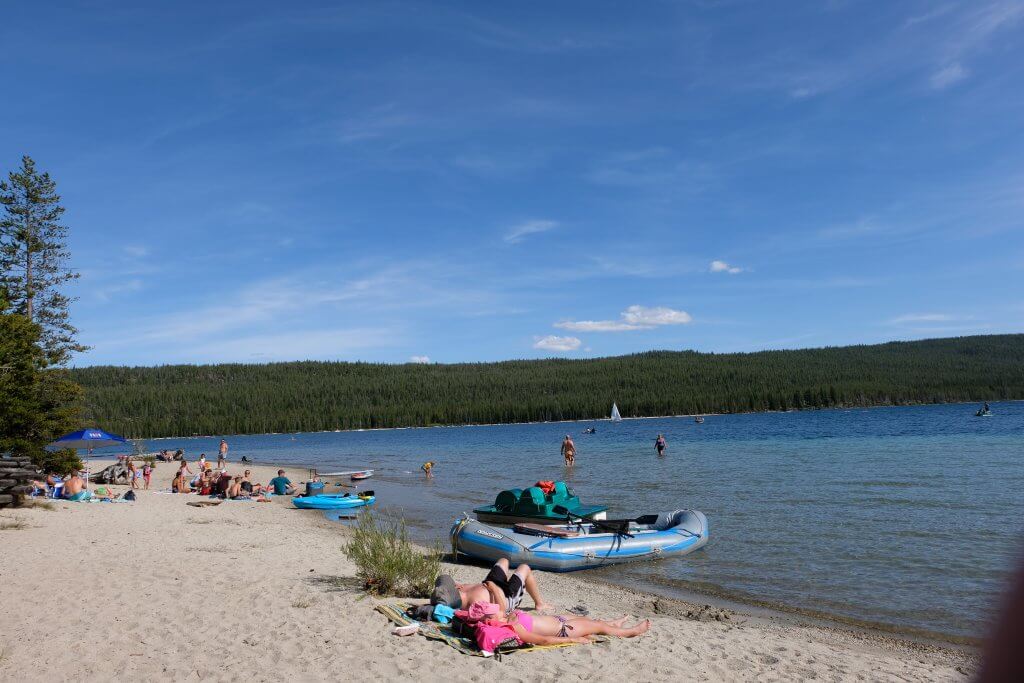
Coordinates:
[394,181]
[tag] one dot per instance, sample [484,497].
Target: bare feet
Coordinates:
[620,622]
[543,606]
[640,628]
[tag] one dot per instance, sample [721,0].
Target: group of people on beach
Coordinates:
[209,481]
[569,447]
[492,606]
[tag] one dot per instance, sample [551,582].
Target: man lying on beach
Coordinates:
[500,586]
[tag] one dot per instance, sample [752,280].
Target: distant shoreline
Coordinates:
[582,420]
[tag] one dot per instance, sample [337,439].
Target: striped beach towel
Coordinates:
[395,612]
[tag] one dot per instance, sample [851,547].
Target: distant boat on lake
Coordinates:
[615,414]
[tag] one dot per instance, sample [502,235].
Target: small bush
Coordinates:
[62,462]
[387,563]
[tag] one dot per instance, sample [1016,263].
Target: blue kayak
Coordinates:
[332,501]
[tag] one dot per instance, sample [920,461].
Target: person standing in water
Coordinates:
[427,468]
[660,445]
[222,454]
[569,450]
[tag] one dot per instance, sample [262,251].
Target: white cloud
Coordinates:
[659,315]
[922,318]
[948,75]
[553,343]
[633,318]
[723,267]
[518,232]
[419,359]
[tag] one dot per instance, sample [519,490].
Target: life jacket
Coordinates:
[548,487]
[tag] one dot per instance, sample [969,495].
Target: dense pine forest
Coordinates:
[311,396]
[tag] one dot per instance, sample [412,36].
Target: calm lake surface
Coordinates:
[909,517]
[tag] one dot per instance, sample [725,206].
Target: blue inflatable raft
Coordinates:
[333,501]
[571,547]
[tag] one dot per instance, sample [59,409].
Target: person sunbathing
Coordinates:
[235,489]
[74,488]
[500,586]
[178,484]
[206,483]
[538,629]
[250,488]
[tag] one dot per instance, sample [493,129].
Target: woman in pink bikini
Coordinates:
[539,629]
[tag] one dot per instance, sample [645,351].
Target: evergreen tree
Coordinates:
[231,399]
[33,258]
[37,405]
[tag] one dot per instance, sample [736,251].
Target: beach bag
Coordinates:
[129,495]
[496,638]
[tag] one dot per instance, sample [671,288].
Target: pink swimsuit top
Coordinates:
[524,619]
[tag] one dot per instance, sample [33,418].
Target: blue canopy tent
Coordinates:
[89,439]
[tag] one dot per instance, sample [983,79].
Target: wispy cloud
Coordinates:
[723,267]
[922,318]
[599,326]
[553,343]
[136,251]
[533,227]
[107,292]
[633,318]
[419,359]
[655,169]
[948,75]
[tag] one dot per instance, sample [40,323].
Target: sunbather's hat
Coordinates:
[445,592]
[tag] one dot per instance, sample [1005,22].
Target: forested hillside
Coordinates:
[310,396]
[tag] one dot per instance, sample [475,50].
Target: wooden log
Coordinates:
[7,483]
[6,499]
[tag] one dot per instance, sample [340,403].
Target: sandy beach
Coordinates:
[158,590]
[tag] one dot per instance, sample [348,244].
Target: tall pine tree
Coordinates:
[33,258]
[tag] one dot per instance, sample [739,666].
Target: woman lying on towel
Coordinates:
[538,629]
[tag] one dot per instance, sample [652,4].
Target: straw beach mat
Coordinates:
[434,631]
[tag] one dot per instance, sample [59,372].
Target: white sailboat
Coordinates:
[615,414]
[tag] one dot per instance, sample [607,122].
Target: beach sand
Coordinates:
[158,590]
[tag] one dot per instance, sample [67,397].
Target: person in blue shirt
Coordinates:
[282,485]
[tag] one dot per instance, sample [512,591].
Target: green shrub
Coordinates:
[387,562]
[62,462]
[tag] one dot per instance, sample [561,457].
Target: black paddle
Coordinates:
[622,528]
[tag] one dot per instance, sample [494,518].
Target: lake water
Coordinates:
[909,517]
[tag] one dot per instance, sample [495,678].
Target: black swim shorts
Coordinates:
[512,587]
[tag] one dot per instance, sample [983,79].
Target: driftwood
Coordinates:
[113,474]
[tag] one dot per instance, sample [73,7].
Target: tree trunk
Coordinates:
[29,295]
